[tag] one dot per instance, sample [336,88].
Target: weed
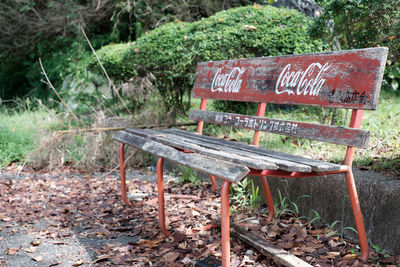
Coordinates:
[189,176]
[285,206]
[381,251]
[242,196]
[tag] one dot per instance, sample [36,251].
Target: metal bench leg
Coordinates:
[213,183]
[225,224]
[122,174]
[355,204]
[160,187]
[268,197]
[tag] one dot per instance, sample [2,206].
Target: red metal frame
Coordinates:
[160,191]
[200,124]
[122,174]
[225,224]
[260,113]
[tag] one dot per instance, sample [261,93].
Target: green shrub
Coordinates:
[364,23]
[171,52]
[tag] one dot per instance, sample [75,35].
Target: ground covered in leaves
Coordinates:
[66,218]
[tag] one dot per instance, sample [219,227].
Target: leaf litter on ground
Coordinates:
[90,207]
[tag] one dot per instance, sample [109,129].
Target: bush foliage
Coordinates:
[171,52]
[364,23]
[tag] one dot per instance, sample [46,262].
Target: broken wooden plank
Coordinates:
[222,169]
[215,144]
[279,256]
[171,140]
[325,133]
[316,165]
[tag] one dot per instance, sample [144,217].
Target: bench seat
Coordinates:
[228,160]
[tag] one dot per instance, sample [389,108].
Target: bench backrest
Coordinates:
[346,79]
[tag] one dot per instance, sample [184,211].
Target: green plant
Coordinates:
[363,23]
[284,206]
[20,129]
[243,196]
[188,175]
[169,54]
[381,251]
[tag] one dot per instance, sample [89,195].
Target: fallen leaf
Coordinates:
[250,28]
[12,251]
[350,256]
[257,6]
[149,243]
[6,219]
[36,243]
[78,263]
[31,249]
[38,258]
[171,257]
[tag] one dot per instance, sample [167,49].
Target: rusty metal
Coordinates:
[225,224]
[123,174]
[213,183]
[200,124]
[355,205]
[355,122]
[260,113]
[160,189]
[268,197]
[286,174]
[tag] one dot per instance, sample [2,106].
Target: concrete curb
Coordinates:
[378,196]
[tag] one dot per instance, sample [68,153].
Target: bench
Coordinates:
[346,79]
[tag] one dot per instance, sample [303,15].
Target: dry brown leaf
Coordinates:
[78,263]
[350,256]
[6,219]
[31,249]
[38,258]
[170,257]
[36,243]
[250,28]
[12,251]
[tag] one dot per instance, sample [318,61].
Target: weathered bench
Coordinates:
[347,79]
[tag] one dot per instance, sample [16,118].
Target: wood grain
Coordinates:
[348,79]
[315,165]
[324,133]
[211,166]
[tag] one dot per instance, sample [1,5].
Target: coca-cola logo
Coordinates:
[302,82]
[228,82]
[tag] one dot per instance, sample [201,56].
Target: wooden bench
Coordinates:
[346,79]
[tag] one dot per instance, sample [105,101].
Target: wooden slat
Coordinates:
[316,165]
[325,133]
[211,166]
[283,164]
[215,143]
[348,79]
[175,141]
[279,256]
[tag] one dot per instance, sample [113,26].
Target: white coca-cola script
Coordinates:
[228,82]
[302,82]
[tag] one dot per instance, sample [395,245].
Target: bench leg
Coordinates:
[268,197]
[160,189]
[213,183]
[123,174]
[225,224]
[355,204]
